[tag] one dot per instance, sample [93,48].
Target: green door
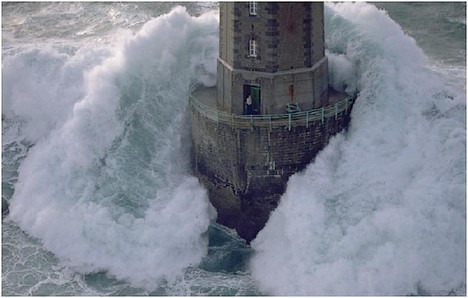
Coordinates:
[255,93]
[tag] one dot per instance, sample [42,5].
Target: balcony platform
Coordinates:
[207,96]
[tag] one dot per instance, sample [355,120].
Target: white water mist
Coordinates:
[381,211]
[106,185]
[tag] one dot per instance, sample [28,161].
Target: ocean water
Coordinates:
[95,158]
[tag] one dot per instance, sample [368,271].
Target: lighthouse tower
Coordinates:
[271,112]
[273,52]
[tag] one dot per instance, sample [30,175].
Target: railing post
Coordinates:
[307,119]
[322,114]
[270,124]
[336,110]
[289,121]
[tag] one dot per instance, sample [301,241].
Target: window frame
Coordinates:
[253,8]
[252,48]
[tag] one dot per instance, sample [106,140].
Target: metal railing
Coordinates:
[273,120]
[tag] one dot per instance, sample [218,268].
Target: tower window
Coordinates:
[253,8]
[252,48]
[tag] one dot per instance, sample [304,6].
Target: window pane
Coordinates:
[253,8]
[252,48]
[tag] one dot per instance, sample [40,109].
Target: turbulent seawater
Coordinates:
[96,165]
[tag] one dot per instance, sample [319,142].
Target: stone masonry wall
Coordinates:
[246,170]
[289,52]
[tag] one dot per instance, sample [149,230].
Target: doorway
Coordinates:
[252,105]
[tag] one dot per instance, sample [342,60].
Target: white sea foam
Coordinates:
[382,209]
[105,186]
[41,86]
